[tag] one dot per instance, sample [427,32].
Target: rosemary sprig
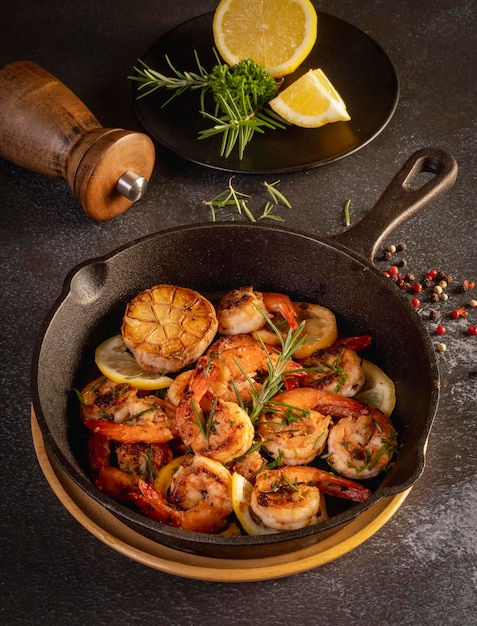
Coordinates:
[347,212]
[205,426]
[232,197]
[277,196]
[277,370]
[240,93]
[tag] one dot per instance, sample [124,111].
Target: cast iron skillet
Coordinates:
[336,272]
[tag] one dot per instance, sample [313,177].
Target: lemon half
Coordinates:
[116,363]
[278,34]
[311,101]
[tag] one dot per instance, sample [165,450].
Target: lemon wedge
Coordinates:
[278,34]
[118,364]
[378,390]
[310,101]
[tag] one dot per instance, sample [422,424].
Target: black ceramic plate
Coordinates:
[357,66]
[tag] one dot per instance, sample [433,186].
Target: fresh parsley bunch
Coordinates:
[240,93]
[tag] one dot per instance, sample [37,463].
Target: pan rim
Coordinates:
[198,539]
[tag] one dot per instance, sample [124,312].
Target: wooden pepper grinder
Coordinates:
[45,128]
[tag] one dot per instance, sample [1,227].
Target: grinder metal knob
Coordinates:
[44,127]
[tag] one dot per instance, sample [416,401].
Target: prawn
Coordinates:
[241,311]
[116,468]
[361,440]
[118,412]
[242,362]
[288,498]
[361,445]
[199,497]
[337,369]
[291,430]
[226,432]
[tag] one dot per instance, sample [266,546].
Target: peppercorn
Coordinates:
[402,263]
[431,274]
[415,302]
[472,330]
[427,282]
[387,256]
[443,284]
[473,303]
[409,278]
[466,285]
[392,248]
[434,314]
[401,246]
[434,297]
[440,330]
[417,287]
[393,270]
[444,297]
[441,347]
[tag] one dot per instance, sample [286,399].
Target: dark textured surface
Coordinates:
[421,566]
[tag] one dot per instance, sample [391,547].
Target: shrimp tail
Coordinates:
[279,303]
[205,373]
[155,506]
[333,485]
[352,343]
[145,433]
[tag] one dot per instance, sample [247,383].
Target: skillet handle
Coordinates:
[401,200]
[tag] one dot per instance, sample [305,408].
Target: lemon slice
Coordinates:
[117,363]
[378,390]
[320,329]
[310,102]
[241,494]
[164,476]
[278,34]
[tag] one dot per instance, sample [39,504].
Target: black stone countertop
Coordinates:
[420,567]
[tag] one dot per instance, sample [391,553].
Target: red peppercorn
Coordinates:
[431,274]
[472,330]
[440,330]
[393,270]
[417,287]
[455,313]
[415,302]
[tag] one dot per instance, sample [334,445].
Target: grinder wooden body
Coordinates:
[44,127]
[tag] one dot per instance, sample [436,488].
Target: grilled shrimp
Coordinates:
[289,498]
[117,411]
[362,444]
[243,361]
[241,310]
[199,497]
[225,431]
[337,368]
[116,468]
[291,430]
